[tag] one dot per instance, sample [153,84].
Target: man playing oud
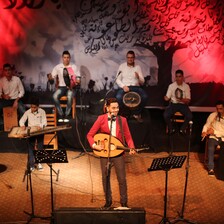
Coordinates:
[119,125]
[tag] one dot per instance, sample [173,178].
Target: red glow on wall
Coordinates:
[14,24]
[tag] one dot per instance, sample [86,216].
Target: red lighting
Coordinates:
[14,25]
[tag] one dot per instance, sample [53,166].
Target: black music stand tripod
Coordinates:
[29,185]
[56,172]
[166,164]
[49,157]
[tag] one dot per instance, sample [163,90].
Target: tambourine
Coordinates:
[131,99]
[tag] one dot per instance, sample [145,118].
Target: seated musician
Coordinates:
[179,96]
[68,77]
[130,78]
[11,90]
[214,128]
[119,125]
[35,117]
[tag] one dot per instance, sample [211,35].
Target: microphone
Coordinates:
[119,73]
[190,126]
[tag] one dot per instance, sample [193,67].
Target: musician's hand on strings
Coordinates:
[132,152]
[23,128]
[98,147]
[38,128]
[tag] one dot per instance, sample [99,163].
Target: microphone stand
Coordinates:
[108,166]
[181,214]
[111,89]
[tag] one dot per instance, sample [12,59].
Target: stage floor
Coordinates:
[79,185]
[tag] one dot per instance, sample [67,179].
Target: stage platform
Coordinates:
[79,187]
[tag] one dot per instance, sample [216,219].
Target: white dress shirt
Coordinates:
[58,71]
[113,131]
[217,124]
[126,75]
[14,88]
[184,88]
[37,119]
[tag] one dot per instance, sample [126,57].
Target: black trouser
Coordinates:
[119,165]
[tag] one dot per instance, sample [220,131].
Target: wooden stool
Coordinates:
[176,118]
[64,104]
[10,118]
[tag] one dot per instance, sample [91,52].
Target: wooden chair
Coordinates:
[176,119]
[63,104]
[51,122]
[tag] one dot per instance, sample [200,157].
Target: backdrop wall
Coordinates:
[166,35]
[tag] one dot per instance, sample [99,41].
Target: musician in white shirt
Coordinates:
[214,128]
[34,117]
[68,77]
[130,78]
[11,90]
[179,96]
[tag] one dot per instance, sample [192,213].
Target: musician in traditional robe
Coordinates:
[179,96]
[103,125]
[35,117]
[214,129]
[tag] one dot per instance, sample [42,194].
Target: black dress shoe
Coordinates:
[108,204]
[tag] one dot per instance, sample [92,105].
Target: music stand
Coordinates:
[49,157]
[166,164]
[29,184]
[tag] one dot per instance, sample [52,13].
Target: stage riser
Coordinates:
[220,175]
[97,216]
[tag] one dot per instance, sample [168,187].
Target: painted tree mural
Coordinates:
[161,26]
